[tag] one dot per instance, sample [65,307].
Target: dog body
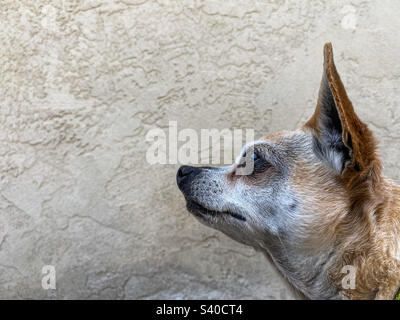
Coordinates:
[315,201]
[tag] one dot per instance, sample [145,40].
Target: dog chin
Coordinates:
[205,214]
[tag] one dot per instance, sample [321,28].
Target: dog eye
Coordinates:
[260,164]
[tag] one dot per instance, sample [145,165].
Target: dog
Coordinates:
[315,201]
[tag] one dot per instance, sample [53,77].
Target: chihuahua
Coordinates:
[315,201]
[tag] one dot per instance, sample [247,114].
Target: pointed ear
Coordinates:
[340,137]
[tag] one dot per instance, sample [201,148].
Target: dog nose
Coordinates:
[186,173]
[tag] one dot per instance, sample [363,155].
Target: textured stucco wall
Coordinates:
[81,84]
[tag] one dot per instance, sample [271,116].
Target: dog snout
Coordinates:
[186,174]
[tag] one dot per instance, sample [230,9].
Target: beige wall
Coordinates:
[81,84]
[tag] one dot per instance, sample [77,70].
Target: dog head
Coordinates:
[294,200]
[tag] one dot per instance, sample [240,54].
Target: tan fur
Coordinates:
[367,231]
[370,243]
[276,136]
[316,201]
[365,234]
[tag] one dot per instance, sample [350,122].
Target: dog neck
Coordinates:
[371,247]
[376,253]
